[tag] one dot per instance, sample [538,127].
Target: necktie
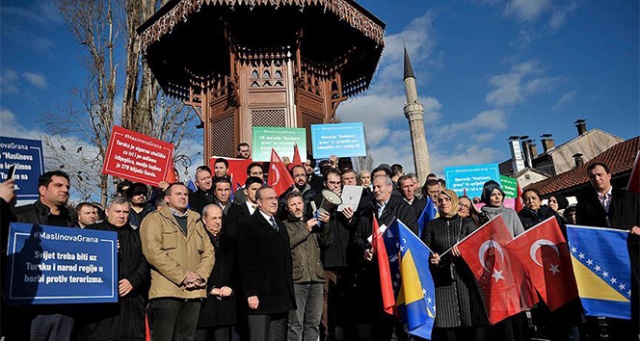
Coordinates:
[380,209]
[273,224]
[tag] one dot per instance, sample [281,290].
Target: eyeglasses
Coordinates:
[464,206]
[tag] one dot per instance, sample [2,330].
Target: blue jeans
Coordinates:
[304,322]
[55,327]
[173,318]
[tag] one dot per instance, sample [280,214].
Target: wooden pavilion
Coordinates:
[244,63]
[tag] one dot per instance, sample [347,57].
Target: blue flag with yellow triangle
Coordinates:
[602,269]
[411,279]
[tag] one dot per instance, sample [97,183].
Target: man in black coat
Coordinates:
[386,208]
[204,194]
[53,322]
[240,212]
[265,270]
[123,320]
[218,310]
[407,187]
[612,207]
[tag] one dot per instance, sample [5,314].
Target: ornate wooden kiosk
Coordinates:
[244,63]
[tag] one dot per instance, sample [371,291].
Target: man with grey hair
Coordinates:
[125,320]
[386,207]
[408,191]
[265,270]
[218,311]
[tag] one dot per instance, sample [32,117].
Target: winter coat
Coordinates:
[305,250]
[171,253]
[123,320]
[459,298]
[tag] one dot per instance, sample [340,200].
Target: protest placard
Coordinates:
[137,157]
[279,138]
[470,178]
[340,139]
[26,156]
[51,265]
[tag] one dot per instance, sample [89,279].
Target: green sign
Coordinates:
[279,138]
[509,186]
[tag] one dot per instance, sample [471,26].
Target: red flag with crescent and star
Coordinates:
[544,252]
[279,178]
[499,277]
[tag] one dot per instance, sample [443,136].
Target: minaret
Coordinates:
[414,111]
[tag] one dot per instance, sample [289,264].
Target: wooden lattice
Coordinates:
[268,118]
[222,136]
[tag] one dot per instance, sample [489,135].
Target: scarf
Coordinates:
[455,203]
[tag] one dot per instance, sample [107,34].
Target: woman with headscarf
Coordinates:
[511,328]
[461,312]
[558,203]
[493,198]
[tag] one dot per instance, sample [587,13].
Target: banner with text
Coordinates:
[54,265]
[279,138]
[340,139]
[28,159]
[510,187]
[137,157]
[470,178]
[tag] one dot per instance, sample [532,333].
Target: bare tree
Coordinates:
[96,26]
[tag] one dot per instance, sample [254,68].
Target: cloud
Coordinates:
[8,80]
[559,15]
[36,79]
[26,25]
[566,98]
[527,10]
[520,83]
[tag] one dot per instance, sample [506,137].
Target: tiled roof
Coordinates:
[619,158]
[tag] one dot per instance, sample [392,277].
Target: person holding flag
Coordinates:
[607,206]
[461,312]
[512,328]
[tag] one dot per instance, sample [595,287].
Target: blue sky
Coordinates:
[486,70]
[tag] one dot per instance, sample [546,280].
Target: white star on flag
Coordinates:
[597,268]
[429,300]
[581,255]
[424,291]
[629,293]
[573,250]
[554,269]
[622,286]
[605,274]
[590,262]
[497,275]
[401,248]
[613,280]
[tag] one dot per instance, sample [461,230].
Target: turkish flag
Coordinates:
[499,278]
[544,253]
[297,160]
[279,178]
[378,247]
[519,203]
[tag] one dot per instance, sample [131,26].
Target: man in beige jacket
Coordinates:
[181,257]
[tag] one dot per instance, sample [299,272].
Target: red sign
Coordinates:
[137,157]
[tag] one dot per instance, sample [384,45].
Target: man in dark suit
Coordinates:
[612,207]
[407,188]
[240,212]
[204,194]
[386,208]
[265,270]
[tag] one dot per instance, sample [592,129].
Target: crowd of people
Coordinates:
[214,263]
